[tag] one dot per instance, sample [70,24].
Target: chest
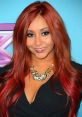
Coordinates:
[47,103]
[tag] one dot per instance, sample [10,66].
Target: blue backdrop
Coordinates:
[70,11]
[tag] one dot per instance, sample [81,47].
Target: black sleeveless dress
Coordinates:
[46,104]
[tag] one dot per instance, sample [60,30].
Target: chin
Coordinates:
[41,56]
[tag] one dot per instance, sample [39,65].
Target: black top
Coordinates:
[46,104]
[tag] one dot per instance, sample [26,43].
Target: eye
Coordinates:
[45,33]
[30,35]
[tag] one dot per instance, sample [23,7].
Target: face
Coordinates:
[39,40]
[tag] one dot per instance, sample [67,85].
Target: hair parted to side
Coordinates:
[21,57]
[55,23]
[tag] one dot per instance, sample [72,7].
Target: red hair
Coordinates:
[13,82]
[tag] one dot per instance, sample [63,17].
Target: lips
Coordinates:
[39,50]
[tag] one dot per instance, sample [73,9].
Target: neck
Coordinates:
[42,64]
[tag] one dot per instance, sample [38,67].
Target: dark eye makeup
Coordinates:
[45,33]
[30,34]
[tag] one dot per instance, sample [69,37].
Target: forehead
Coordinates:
[39,22]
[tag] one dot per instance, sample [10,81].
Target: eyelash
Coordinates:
[45,33]
[30,35]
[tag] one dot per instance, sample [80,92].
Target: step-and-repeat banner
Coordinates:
[6,33]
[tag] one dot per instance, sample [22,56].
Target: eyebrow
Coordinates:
[40,29]
[44,28]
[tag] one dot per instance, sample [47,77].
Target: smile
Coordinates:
[39,50]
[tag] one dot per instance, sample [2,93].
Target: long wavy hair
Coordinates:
[12,84]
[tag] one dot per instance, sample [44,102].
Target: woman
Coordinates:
[42,81]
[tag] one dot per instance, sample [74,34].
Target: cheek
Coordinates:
[50,42]
[29,43]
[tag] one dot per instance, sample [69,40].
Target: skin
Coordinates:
[41,46]
[39,42]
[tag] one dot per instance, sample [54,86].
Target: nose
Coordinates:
[38,40]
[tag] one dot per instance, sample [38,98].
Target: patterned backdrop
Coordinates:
[6,32]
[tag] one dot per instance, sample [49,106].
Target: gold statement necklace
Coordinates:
[38,76]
